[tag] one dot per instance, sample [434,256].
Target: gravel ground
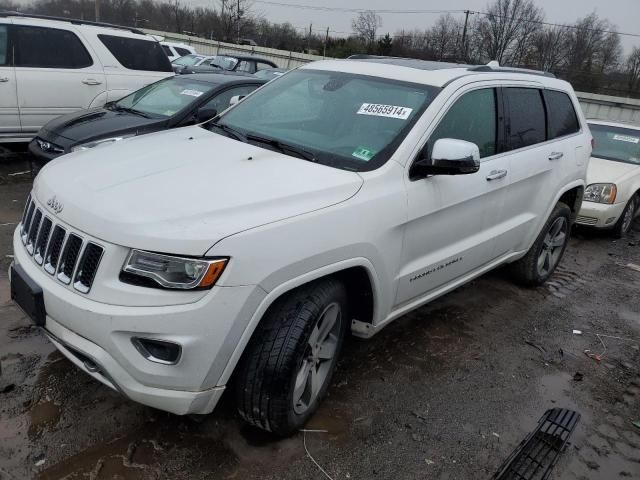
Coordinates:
[446,392]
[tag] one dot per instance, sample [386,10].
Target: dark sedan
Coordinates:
[170,103]
[228,63]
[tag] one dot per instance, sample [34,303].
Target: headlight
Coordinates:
[601,193]
[100,143]
[175,272]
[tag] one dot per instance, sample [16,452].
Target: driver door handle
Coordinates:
[496,175]
[556,156]
[4,79]
[91,81]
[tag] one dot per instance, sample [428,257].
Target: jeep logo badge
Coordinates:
[55,205]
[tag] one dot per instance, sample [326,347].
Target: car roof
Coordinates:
[437,74]
[245,57]
[73,21]
[218,79]
[616,123]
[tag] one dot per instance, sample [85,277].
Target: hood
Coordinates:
[94,123]
[609,171]
[183,190]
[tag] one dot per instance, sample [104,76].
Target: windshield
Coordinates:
[226,63]
[345,120]
[616,143]
[164,98]
[188,60]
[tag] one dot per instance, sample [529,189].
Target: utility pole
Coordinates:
[97,7]
[464,35]
[309,39]
[238,22]
[326,40]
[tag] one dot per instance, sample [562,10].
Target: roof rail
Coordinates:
[488,68]
[71,20]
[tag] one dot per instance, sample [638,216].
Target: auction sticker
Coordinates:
[191,93]
[390,111]
[626,138]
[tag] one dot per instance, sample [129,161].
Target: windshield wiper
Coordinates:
[230,131]
[283,147]
[130,110]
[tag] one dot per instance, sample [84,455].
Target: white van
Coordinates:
[50,67]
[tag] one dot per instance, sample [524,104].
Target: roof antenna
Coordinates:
[493,64]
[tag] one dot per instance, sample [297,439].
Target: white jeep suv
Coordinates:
[54,66]
[336,198]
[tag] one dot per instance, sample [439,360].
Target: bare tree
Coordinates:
[550,47]
[508,28]
[366,27]
[443,37]
[633,69]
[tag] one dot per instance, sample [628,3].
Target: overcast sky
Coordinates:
[625,14]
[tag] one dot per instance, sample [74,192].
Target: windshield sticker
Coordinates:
[363,153]
[626,138]
[191,93]
[390,111]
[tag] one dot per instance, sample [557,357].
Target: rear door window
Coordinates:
[48,48]
[472,118]
[167,50]
[137,54]
[526,117]
[4,45]
[562,115]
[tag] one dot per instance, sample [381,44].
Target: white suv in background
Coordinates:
[50,67]
[335,198]
[177,50]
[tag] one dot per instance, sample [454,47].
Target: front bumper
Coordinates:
[96,337]
[599,215]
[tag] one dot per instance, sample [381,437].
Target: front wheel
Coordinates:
[543,257]
[290,359]
[623,225]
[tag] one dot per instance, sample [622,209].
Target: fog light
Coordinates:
[158,351]
[610,220]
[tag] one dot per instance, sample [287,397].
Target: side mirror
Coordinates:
[204,114]
[235,99]
[448,157]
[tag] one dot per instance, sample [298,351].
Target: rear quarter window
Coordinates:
[561,114]
[182,51]
[137,54]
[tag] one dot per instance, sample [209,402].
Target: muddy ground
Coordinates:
[446,392]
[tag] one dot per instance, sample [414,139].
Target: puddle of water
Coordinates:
[43,415]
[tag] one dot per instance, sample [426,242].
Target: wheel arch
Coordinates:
[359,278]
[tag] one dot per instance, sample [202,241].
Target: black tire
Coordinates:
[274,359]
[526,270]
[621,228]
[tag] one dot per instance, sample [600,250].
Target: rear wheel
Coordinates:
[543,257]
[290,360]
[625,221]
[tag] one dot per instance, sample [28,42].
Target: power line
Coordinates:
[422,11]
[352,10]
[540,22]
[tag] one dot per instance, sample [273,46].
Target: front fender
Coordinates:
[287,286]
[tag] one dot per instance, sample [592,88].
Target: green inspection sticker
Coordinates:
[363,153]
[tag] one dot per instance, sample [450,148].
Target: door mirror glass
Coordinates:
[448,157]
[205,114]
